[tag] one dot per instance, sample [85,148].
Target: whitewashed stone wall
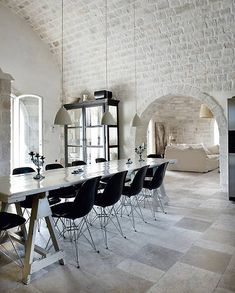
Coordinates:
[180,116]
[5,131]
[184,48]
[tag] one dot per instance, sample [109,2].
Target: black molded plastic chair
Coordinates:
[65,192]
[108,198]
[9,221]
[155,156]
[53,166]
[100,160]
[150,170]
[155,183]
[27,203]
[79,208]
[131,191]
[78,163]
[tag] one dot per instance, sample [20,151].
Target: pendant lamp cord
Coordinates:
[62,51]
[134,41]
[106,43]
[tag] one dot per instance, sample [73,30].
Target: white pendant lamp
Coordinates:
[62,116]
[136,121]
[205,112]
[5,76]
[107,118]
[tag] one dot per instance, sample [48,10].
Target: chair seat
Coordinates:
[66,210]
[8,221]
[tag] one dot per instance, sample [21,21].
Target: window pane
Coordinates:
[75,136]
[75,153]
[93,153]
[28,128]
[94,136]
[94,115]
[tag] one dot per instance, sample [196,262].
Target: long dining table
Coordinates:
[16,188]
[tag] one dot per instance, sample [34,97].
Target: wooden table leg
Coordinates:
[40,209]
[30,242]
[54,237]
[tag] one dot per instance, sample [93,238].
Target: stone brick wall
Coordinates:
[5,122]
[180,116]
[184,47]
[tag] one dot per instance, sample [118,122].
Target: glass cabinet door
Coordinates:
[94,115]
[76,117]
[74,154]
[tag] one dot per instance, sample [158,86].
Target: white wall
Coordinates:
[29,61]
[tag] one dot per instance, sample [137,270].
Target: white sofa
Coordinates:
[192,157]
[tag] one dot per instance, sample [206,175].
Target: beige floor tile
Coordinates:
[141,270]
[221,236]
[183,278]
[207,259]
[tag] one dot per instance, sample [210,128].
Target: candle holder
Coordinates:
[38,162]
[139,151]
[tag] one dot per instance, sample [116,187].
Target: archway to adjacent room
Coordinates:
[213,105]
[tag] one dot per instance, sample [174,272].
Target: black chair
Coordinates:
[131,191]
[100,160]
[53,166]
[150,170]
[106,201]
[79,208]
[65,192]
[154,184]
[9,221]
[78,163]
[27,203]
[155,156]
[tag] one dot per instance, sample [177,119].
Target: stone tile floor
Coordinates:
[190,249]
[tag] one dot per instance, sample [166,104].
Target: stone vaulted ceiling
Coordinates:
[178,41]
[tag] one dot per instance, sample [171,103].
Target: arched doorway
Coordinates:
[218,112]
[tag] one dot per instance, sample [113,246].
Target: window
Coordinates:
[26,129]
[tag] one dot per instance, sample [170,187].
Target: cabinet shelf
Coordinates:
[93,126]
[103,140]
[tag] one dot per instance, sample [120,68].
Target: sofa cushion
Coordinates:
[213,150]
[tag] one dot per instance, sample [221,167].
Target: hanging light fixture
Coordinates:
[62,116]
[107,118]
[205,112]
[136,121]
[5,76]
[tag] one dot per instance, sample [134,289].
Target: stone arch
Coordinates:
[217,110]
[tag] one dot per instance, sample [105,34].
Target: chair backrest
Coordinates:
[100,160]
[154,156]
[22,170]
[158,176]
[138,181]
[113,189]
[53,166]
[78,163]
[85,197]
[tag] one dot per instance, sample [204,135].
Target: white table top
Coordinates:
[15,188]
